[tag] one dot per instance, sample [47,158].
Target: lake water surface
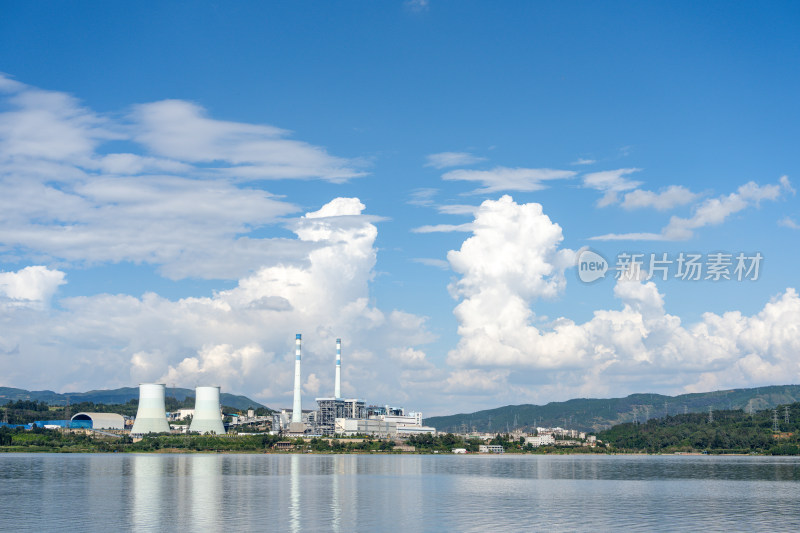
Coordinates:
[148,492]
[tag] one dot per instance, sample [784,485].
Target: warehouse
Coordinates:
[99,420]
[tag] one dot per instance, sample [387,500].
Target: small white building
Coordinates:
[407,431]
[490,448]
[181,414]
[540,440]
[353,426]
[459,450]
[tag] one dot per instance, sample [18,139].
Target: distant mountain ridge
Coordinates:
[113,396]
[591,414]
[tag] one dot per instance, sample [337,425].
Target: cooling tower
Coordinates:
[297,409]
[337,388]
[151,417]
[207,417]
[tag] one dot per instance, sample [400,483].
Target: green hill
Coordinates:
[763,432]
[588,414]
[113,396]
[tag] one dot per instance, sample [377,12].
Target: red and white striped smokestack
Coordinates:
[297,409]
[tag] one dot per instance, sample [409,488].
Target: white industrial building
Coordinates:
[102,420]
[350,426]
[181,414]
[541,440]
[490,448]
[343,416]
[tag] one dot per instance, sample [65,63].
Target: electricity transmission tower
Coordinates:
[786,414]
[775,420]
[710,414]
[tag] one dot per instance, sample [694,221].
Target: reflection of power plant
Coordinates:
[207,411]
[344,416]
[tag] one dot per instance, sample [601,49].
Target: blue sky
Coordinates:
[157,163]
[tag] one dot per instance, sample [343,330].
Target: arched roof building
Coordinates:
[101,420]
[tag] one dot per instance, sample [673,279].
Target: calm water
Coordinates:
[396,493]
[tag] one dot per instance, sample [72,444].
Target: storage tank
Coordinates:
[151,417]
[207,416]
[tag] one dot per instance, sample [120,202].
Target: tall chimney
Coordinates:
[297,409]
[337,389]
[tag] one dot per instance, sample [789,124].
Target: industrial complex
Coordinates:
[334,416]
[343,416]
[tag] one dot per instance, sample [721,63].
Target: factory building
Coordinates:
[343,416]
[330,409]
[181,414]
[98,421]
[282,421]
[541,440]
[348,427]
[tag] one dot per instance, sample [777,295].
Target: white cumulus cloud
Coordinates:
[241,338]
[32,284]
[514,259]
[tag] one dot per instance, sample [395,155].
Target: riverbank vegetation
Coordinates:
[771,432]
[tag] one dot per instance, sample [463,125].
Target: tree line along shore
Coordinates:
[768,432]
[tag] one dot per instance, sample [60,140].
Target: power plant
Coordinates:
[151,417]
[207,411]
[333,416]
[343,416]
